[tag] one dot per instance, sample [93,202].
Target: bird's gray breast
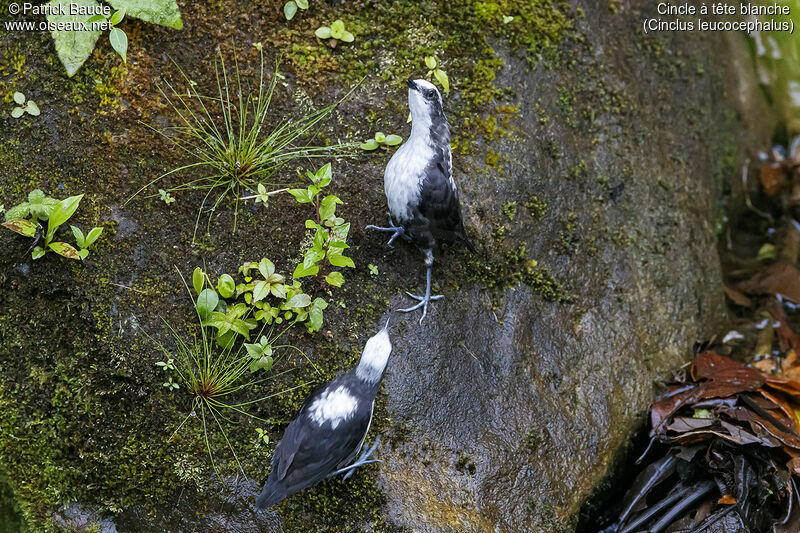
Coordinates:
[403,177]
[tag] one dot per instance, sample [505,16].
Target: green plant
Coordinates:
[24,106]
[336,32]
[216,375]
[290,8]
[436,72]
[263,195]
[165,197]
[330,231]
[238,153]
[40,207]
[117,37]
[381,140]
[263,437]
[84,21]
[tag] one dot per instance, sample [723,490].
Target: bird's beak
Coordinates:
[411,84]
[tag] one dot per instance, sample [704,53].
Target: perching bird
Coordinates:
[419,184]
[328,432]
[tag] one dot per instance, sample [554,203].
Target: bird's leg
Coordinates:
[424,300]
[363,460]
[399,231]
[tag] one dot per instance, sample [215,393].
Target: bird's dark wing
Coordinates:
[325,451]
[308,453]
[439,203]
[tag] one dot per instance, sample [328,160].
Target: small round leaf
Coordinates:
[302,4]
[323,32]
[289,9]
[392,140]
[369,145]
[19,98]
[17,112]
[32,108]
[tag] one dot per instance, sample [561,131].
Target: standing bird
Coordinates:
[419,184]
[328,432]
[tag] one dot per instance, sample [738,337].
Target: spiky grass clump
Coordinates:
[214,376]
[229,139]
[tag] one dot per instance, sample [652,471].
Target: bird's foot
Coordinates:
[423,303]
[363,460]
[399,231]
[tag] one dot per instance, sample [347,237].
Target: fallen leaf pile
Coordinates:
[732,442]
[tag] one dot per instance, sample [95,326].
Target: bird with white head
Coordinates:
[420,189]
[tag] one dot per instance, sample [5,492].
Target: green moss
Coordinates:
[536,207]
[510,209]
[569,234]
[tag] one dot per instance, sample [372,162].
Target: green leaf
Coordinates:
[116,18]
[289,9]
[324,175]
[79,238]
[266,267]
[347,37]
[303,196]
[84,253]
[327,207]
[440,75]
[207,301]
[96,18]
[380,138]
[198,280]
[119,42]
[337,27]
[226,286]
[226,340]
[65,250]
[507,19]
[323,32]
[32,109]
[62,212]
[22,226]
[38,252]
[73,47]
[17,112]
[162,12]
[340,260]
[93,235]
[300,300]
[302,4]
[260,291]
[301,271]
[315,315]
[19,211]
[335,278]
[392,140]
[19,98]
[369,145]
[430,62]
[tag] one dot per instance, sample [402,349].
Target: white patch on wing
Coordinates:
[334,406]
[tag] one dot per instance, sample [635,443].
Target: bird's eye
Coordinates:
[429,94]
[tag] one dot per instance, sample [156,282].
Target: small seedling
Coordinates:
[263,437]
[261,353]
[263,195]
[24,106]
[336,32]
[507,19]
[165,196]
[84,242]
[171,385]
[169,364]
[373,269]
[436,72]
[290,8]
[117,37]
[381,139]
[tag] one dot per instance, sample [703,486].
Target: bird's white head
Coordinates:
[424,101]
[375,356]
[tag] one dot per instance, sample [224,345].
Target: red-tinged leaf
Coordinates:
[65,250]
[22,226]
[778,278]
[773,178]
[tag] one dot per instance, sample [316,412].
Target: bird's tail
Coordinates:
[271,494]
[468,243]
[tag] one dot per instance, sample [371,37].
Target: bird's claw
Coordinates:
[399,231]
[423,302]
[362,460]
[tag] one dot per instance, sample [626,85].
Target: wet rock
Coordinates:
[541,397]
